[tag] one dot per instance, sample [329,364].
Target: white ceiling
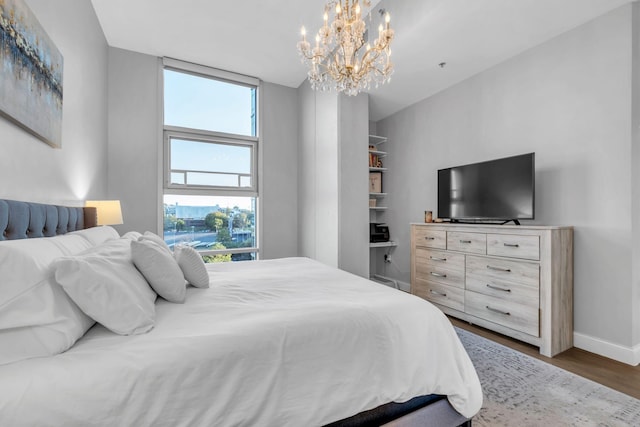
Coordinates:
[258,37]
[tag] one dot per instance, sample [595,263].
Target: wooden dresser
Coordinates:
[515,280]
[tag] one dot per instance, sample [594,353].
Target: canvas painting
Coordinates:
[31,70]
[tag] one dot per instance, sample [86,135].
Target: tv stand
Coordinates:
[515,280]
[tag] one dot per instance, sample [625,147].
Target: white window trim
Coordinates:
[190,67]
[210,134]
[229,251]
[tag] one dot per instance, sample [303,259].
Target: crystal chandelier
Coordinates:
[341,58]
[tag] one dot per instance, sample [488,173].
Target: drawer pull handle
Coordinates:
[495,310]
[440,294]
[506,270]
[430,238]
[512,245]
[465,241]
[497,288]
[437,259]
[437,274]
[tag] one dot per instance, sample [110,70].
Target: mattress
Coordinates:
[287,342]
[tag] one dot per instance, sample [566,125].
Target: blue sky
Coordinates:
[202,103]
[191,155]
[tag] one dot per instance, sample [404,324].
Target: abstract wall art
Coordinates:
[31,69]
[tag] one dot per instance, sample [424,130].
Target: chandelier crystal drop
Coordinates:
[342,59]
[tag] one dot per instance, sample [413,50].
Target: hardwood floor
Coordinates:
[613,374]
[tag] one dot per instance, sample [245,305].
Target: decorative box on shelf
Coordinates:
[375,182]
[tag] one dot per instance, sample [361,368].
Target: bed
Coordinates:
[286,342]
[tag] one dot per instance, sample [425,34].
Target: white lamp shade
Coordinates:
[109,211]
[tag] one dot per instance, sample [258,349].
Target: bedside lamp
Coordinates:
[109,211]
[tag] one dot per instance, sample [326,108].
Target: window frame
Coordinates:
[207,136]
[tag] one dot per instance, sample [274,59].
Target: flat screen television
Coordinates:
[495,190]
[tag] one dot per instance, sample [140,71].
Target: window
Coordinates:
[210,161]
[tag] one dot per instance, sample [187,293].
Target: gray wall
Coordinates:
[279,183]
[635,175]
[306,171]
[30,169]
[135,152]
[569,101]
[353,190]
[135,138]
[332,171]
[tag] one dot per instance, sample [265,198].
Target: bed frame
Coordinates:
[422,411]
[22,220]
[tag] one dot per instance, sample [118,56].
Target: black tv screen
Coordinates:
[501,189]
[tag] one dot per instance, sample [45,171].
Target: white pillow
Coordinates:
[105,284]
[44,322]
[160,269]
[24,262]
[131,235]
[156,239]
[192,266]
[70,244]
[97,235]
[36,317]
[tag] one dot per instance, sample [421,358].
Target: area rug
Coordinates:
[522,391]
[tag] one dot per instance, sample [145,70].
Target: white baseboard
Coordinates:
[404,286]
[628,355]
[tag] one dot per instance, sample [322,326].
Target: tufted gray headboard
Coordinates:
[22,220]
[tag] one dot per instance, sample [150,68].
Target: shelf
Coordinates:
[377,140]
[378,153]
[376,212]
[383,244]
[375,159]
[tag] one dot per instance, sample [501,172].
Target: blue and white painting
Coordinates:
[30,73]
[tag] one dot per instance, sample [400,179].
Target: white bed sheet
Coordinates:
[286,342]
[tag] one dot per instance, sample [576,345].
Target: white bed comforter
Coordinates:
[286,342]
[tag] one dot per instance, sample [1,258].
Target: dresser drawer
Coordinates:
[441,294]
[474,243]
[440,259]
[492,270]
[427,238]
[513,246]
[515,316]
[440,274]
[507,291]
